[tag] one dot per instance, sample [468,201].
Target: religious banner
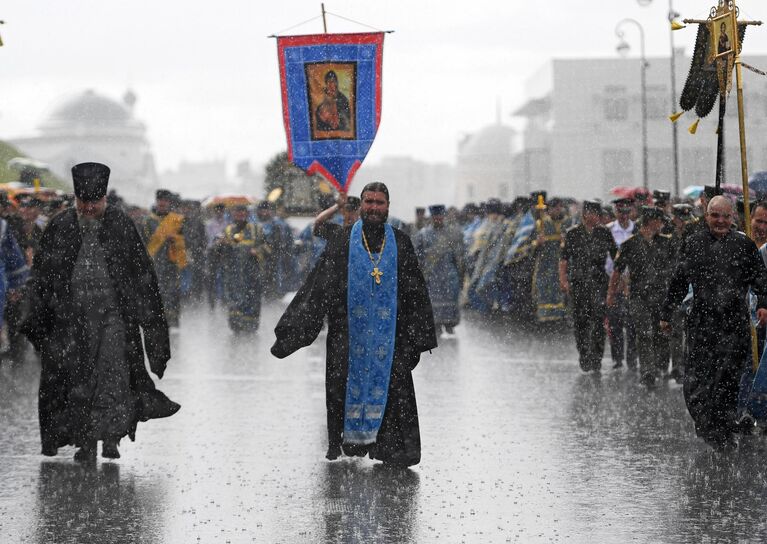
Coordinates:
[331,101]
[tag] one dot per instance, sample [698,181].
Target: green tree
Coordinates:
[301,193]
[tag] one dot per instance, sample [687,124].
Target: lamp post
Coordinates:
[623,48]
[673,25]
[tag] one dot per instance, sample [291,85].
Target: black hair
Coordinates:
[759,204]
[375,187]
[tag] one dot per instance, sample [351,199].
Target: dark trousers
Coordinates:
[622,332]
[711,383]
[589,310]
[652,345]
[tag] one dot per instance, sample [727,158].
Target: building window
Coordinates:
[616,103]
[618,167]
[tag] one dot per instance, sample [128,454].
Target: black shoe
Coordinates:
[109,450]
[334,452]
[86,454]
[617,365]
[49,451]
[745,425]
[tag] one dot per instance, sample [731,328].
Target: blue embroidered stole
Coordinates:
[372,314]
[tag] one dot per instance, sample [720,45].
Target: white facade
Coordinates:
[484,165]
[583,128]
[90,127]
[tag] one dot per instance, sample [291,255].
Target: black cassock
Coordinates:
[325,294]
[721,272]
[52,320]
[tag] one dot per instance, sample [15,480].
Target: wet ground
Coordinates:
[518,446]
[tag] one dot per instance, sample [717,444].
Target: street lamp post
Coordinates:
[623,47]
[672,15]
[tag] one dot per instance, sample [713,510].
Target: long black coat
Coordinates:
[48,301]
[721,272]
[325,294]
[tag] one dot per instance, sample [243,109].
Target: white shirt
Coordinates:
[620,235]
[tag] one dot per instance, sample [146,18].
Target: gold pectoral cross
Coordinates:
[377,275]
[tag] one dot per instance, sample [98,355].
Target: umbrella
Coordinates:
[623,192]
[229,200]
[758,182]
[733,189]
[630,192]
[692,191]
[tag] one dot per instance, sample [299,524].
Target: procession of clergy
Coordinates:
[669,284]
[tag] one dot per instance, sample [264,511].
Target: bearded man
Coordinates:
[369,286]
[92,293]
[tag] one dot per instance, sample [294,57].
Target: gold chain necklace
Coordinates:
[376,273]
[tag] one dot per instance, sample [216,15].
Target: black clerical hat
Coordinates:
[437,209]
[90,180]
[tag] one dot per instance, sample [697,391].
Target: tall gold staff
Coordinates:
[724,62]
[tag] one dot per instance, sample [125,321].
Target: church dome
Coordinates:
[497,140]
[88,110]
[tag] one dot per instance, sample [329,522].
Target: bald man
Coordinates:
[721,264]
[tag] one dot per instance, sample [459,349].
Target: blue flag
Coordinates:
[331,101]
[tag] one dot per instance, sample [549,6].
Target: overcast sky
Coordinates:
[207,80]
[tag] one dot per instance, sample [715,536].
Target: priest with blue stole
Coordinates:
[369,285]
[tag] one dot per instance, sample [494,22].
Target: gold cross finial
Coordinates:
[377,275]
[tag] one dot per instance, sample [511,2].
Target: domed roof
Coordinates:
[88,109]
[492,140]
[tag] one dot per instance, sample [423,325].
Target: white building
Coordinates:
[582,133]
[91,127]
[484,165]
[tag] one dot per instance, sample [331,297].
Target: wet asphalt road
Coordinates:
[518,446]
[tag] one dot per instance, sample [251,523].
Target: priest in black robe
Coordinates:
[721,265]
[326,294]
[93,292]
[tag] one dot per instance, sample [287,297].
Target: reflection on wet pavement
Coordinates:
[518,446]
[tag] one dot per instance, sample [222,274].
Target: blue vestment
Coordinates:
[372,320]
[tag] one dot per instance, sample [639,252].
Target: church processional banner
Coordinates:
[331,101]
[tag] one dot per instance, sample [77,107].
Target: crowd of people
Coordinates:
[669,283]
